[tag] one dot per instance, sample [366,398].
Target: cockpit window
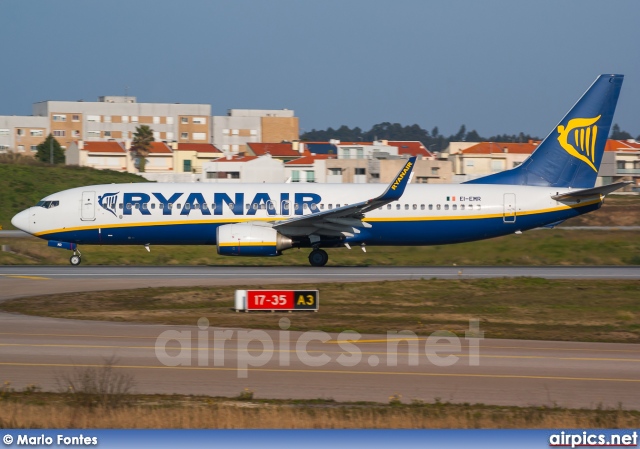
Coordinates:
[48,204]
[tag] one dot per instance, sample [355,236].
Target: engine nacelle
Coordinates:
[248,239]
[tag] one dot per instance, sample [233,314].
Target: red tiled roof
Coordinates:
[498,147]
[621,145]
[413,148]
[274,149]
[309,159]
[104,147]
[237,159]
[198,147]
[159,148]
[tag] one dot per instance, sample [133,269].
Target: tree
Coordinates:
[141,146]
[43,151]
[617,134]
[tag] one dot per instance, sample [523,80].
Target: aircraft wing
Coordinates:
[345,220]
[585,193]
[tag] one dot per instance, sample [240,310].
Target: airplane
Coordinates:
[554,184]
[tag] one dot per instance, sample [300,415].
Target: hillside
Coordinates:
[22,186]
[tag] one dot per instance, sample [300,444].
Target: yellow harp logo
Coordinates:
[584,139]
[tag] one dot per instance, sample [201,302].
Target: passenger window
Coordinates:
[128,206]
[153,205]
[438,207]
[422,207]
[470,206]
[446,207]
[398,207]
[462,207]
[388,206]
[322,206]
[137,205]
[297,206]
[170,206]
[337,206]
[232,206]
[187,206]
[144,206]
[415,207]
[430,206]
[330,206]
[406,207]
[314,206]
[478,207]
[196,206]
[270,205]
[247,206]
[254,206]
[454,207]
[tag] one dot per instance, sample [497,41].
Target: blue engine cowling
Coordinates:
[250,239]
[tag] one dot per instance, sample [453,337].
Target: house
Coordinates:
[189,157]
[100,155]
[621,162]
[245,169]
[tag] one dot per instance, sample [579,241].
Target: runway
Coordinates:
[33,280]
[283,364]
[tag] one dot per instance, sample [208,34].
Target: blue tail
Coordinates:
[570,156]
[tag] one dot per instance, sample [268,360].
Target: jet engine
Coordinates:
[250,239]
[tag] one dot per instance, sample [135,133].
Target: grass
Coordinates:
[543,247]
[521,308]
[33,410]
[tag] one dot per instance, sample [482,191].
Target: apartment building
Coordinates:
[117,117]
[233,132]
[20,134]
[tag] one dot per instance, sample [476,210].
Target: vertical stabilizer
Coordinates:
[570,155]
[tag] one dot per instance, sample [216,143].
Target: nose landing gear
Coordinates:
[76,258]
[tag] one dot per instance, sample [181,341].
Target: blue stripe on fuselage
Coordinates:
[418,232]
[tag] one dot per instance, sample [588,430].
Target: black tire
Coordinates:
[318,258]
[75,260]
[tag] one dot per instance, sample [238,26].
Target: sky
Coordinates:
[496,66]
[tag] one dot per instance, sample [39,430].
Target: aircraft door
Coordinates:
[509,215]
[88,207]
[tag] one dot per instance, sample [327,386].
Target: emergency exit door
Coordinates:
[509,215]
[88,208]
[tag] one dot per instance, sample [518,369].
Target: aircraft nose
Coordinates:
[21,220]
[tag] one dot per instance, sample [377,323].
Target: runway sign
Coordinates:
[291,300]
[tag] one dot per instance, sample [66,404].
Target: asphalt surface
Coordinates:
[32,280]
[202,360]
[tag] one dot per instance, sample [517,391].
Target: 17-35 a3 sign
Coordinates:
[281,300]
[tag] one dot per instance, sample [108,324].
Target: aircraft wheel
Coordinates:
[75,260]
[318,258]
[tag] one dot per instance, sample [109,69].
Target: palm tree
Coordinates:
[141,145]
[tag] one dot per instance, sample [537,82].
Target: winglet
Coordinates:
[396,188]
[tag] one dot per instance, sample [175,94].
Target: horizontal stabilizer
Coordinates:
[585,193]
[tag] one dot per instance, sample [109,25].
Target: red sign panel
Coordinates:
[282,300]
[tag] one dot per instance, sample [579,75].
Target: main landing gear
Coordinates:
[76,258]
[318,258]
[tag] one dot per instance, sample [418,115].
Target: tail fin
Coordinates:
[571,154]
